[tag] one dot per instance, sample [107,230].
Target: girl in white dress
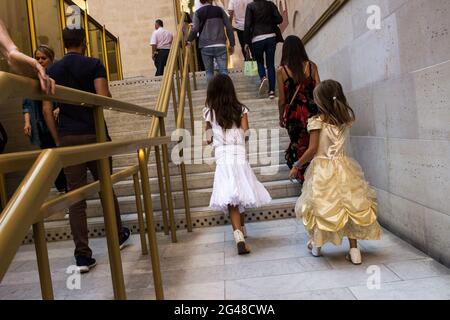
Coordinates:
[236,187]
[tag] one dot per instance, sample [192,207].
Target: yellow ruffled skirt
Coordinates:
[337,202]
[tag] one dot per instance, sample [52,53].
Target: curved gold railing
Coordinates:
[20,212]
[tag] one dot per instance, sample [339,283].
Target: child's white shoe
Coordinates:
[354,256]
[240,242]
[315,251]
[244,231]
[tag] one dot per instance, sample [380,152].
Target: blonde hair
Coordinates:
[332,103]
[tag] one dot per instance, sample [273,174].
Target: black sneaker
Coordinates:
[124,238]
[85,264]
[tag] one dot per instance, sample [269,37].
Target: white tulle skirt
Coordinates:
[235,183]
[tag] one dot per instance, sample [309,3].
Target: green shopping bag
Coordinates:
[251,68]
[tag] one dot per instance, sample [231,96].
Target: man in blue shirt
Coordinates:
[77,127]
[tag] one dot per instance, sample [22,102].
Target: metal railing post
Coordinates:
[174,100]
[194,47]
[193,67]
[154,254]
[178,79]
[165,154]
[161,190]
[107,200]
[45,276]
[180,124]
[191,106]
[187,206]
[140,215]
[3,192]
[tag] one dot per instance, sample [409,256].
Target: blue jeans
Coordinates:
[208,56]
[267,47]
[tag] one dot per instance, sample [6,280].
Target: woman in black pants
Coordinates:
[262,34]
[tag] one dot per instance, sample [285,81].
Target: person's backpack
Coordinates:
[3,138]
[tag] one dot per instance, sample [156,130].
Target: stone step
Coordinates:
[253,157]
[201,217]
[201,180]
[197,198]
[153,86]
[259,111]
[149,101]
[141,129]
[238,78]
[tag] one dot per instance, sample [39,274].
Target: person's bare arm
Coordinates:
[6,43]
[208,130]
[244,125]
[281,96]
[47,110]
[153,51]
[230,32]
[231,14]
[23,64]
[315,73]
[27,126]
[102,87]
[309,154]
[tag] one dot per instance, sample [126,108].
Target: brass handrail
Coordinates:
[19,214]
[16,218]
[17,87]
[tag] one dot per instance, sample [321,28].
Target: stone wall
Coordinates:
[133,21]
[397,79]
[303,14]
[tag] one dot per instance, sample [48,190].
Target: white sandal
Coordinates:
[240,242]
[315,251]
[354,256]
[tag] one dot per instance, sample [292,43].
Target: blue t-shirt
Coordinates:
[78,72]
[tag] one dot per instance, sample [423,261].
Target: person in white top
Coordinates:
[236,10]
[161,42]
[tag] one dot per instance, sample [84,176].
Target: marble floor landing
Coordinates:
[204,265]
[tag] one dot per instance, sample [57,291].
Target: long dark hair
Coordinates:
[333,104]
[221,97]
[294,56]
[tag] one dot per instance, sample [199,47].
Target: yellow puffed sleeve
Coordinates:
[315,123]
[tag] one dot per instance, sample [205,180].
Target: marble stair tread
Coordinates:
[195,182]
[197,197]
[196,212]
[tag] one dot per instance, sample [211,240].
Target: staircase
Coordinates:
[263,115]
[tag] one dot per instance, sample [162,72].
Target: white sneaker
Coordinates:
[354,256]
[271,95]
[240,242]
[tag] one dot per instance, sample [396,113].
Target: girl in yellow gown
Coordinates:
[336,200]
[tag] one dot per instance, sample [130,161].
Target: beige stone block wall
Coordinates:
[398,81]
[304,13]
[133,21]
